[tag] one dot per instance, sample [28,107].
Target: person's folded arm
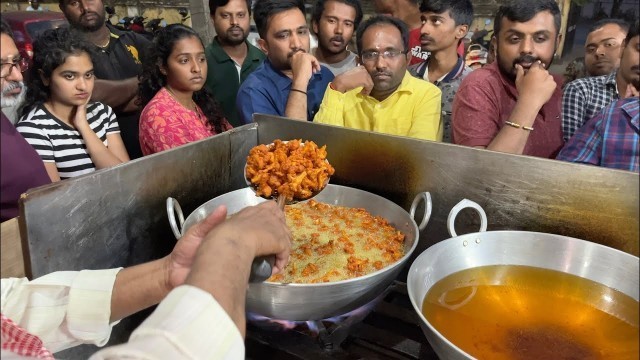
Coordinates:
[119,94]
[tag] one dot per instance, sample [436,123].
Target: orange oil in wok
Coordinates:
[521,312]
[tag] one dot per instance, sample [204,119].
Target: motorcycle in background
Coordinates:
[476,56]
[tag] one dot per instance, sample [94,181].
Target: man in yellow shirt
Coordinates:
[381,95]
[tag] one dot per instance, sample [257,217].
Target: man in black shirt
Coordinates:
[116,65]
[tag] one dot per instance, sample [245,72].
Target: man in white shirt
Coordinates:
[68,308]
[334,22]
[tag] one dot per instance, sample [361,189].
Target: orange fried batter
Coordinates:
[332,243]
[293,168]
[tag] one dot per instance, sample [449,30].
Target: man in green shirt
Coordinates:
[230,57]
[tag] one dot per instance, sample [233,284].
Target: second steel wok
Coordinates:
[321,300]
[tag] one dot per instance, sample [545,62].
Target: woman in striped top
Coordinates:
[72,135]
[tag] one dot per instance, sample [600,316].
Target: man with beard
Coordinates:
[444,24]
[22,168]
[290,82]
[584,98]
[513,104]
[381,95]
[116,64]
[334,22]
[603,46]
[230,57]
[611,138]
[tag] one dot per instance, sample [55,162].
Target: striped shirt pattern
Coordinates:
[583,99]
[58,142]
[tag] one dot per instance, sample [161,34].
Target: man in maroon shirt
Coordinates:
[20,167]
[514,104]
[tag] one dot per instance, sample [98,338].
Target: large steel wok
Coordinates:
[605,265]
[323,300]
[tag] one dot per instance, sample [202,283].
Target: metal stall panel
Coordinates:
[117,216]
[517,192]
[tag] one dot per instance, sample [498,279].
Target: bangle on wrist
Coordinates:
[298,90]
[518,126]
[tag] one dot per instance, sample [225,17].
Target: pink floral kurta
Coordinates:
[165,124]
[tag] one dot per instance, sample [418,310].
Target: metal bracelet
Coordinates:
[517,126]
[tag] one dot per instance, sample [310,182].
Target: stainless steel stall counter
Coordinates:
[117,217]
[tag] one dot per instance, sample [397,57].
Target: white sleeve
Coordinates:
[64,309]
[188,324]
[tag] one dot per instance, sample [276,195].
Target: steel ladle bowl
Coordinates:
[262,266]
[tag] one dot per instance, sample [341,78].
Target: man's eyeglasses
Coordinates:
[369,56]
[6,67]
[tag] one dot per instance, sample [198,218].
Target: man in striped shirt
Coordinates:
[611,139]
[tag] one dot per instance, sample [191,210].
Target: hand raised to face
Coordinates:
[354,78]
[536,86]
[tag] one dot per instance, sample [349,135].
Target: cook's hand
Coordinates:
[181,259]
[263,229]
[354,78]
[631,91]
[303,66]
[536,86]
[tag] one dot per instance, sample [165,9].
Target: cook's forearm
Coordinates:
[233,260]
[138,287]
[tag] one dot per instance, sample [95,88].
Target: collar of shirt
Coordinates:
[220,56]
[632,108]
[282,81]
[610,81]
[457,70]
[510,87]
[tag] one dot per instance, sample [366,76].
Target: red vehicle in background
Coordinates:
[27,25]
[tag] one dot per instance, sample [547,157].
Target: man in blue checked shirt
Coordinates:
[612,138]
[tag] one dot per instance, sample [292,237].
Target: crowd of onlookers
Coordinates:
[99,96]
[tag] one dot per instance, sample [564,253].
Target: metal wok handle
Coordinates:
[428,207]
[261,268]
[173,207]
[465,203]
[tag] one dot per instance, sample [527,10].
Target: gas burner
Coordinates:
[329,333]
[390,331]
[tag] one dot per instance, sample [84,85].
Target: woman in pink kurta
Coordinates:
[177,107]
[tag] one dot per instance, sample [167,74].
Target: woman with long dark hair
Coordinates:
[72,135]
[177,107]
